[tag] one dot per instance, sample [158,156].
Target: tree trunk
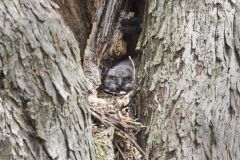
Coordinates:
[44,114]
[190,76]
[78,16]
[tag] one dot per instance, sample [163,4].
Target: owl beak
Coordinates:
[120,82]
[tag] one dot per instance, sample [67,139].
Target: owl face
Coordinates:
[119,78]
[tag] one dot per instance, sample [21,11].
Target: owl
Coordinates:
[119,78]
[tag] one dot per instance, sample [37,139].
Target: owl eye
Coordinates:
[113,77]
[127,78]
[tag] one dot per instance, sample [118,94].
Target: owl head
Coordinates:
[119,78]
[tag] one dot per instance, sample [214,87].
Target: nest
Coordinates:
[115,127]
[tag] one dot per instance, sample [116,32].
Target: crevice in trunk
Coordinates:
[107,37]
[78,16]
[116,29]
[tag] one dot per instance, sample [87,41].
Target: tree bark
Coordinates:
[190,76]
[43,111]
[78,16]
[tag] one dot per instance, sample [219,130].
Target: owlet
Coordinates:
[119,78]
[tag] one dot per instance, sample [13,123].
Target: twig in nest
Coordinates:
[133,142]
[122,102]
[134,69]
[108,121]
[121,152]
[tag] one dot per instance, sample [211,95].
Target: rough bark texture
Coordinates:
[43,112]
[190,72]
[78,16]
[188,76]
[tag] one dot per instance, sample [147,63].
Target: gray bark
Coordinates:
[188,79]
[43,112]
[190,75]
[78,16]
